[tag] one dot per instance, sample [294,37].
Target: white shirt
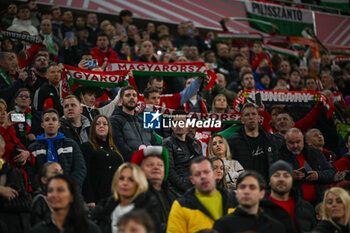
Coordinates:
[117,213]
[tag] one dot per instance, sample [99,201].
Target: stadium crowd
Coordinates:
[85,163]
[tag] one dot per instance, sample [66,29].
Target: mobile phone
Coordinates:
[69,35]
[17,117]
[258,99]
[92,63]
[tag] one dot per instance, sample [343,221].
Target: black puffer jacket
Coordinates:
[70,132]
[328,227]
[179,162]
[129,134]
[317,162]
[303,211]
[101,214]
[241,149]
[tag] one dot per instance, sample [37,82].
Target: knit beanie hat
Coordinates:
[160,151]
[281,165]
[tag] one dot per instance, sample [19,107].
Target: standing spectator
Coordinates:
[54,146]
[125,19]
[201,205]
[218,146]
[283,204]
[15,202]
[8,83]
[102,52]
[38,74]
[22,22]
[15,154]
[68,30]
[129,133]
[102,159]
[248,216]
[40,208]
[129,188]
[7,19]
[315,139]
[182,149]
[68,213]
[336,212]
[50,40]
[154,163]
[35,15]
[195,103]
[83,44]
[311,169]
[26,131]
[73,124]
[56,21]
[92,26]
[48,96]
[252,147]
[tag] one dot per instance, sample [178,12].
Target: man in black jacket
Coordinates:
[128,131]
[248,216]
[283,204]
[73,124]
[182,149]
[254,148]
[154,162]
[311,169]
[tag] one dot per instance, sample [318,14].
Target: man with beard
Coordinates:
[201,205]
[283,204]
[48,96]
[38,74]
[254,148]
[102,52]
[182,149]
[248,216]
[311,169]
[128,131]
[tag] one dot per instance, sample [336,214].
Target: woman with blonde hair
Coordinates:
[335,212]
[218,146]
[129,192]
[220,104]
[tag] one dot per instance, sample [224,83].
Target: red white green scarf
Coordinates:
[24,127]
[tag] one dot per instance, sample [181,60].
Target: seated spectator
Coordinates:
[283,204]
[48,96]
[248,216]
[26,131]
[54,146]
[182,149]
[311,169]
[73,124]
[102,159]
[15,201]
[102,52]
[315,139]
[129,133]
[335,212]
[68,213]
[129,188]
[218,146]
[22,22]
[40,208]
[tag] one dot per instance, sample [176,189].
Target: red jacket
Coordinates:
[9,135]
[100,56]
[342,164]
